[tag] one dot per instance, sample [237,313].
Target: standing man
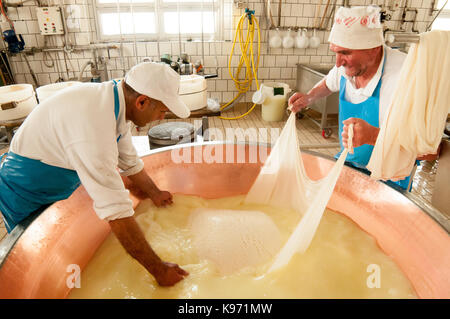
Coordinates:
[365,74]
[81,136]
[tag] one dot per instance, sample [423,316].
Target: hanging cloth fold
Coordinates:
[283,182]
[418,112]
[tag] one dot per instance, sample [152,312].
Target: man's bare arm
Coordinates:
[299,101]
[132,239]
[143,181]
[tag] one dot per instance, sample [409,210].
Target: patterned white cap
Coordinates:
[357,28]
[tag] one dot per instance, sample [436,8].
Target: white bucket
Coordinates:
[273,107]
[45,91]
[193,91]
[23,101]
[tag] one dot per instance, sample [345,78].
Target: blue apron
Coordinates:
[369,112]
[27,185]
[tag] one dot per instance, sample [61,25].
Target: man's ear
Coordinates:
[142,102]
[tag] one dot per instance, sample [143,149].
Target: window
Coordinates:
[442,22]
[160,19]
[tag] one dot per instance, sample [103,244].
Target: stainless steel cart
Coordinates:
[307,77]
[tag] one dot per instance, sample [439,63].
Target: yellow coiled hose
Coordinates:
[247,60]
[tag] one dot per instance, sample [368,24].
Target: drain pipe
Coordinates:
[179,33]
[83,68]
[33,75]
[203,42]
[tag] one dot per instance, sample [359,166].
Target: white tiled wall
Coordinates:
[275,64]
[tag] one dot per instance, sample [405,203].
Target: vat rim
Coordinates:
[7,244]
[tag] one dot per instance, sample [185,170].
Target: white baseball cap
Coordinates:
[160,82]
[357,28]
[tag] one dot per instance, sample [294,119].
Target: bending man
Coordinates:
[81,136]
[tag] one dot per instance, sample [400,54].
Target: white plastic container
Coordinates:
[193,91]
[275,40]
[273,106]
[302,40]
[288,40]
[45,91]
[23,101]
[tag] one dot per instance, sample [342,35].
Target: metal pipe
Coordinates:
[157,31]
[31,70]
[80,76]
[66,40]
[324,14]
[134,31]
[9,71]
[75,48]
[279,13]
[293,28]
[317,12]
[402,38]
[57,67]
[433,5]
[215,40]
[56,60]
[65,64]
[203,42]
[179,30]
[121,39]
[63,16]
[269,13]
[309,146]
[331,15]
[20,4]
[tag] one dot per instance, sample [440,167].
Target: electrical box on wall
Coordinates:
[50,20]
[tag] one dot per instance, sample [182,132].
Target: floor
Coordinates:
[253,128]
[309,135]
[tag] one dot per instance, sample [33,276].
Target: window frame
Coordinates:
[159,7]
[445,14]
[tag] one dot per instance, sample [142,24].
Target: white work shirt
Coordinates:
[394,62]
[76,129]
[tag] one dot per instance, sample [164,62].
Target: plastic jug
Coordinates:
[314,41]
[273,97]
[288,40]
[275,40]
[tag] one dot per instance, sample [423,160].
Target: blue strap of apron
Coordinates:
[116,104]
